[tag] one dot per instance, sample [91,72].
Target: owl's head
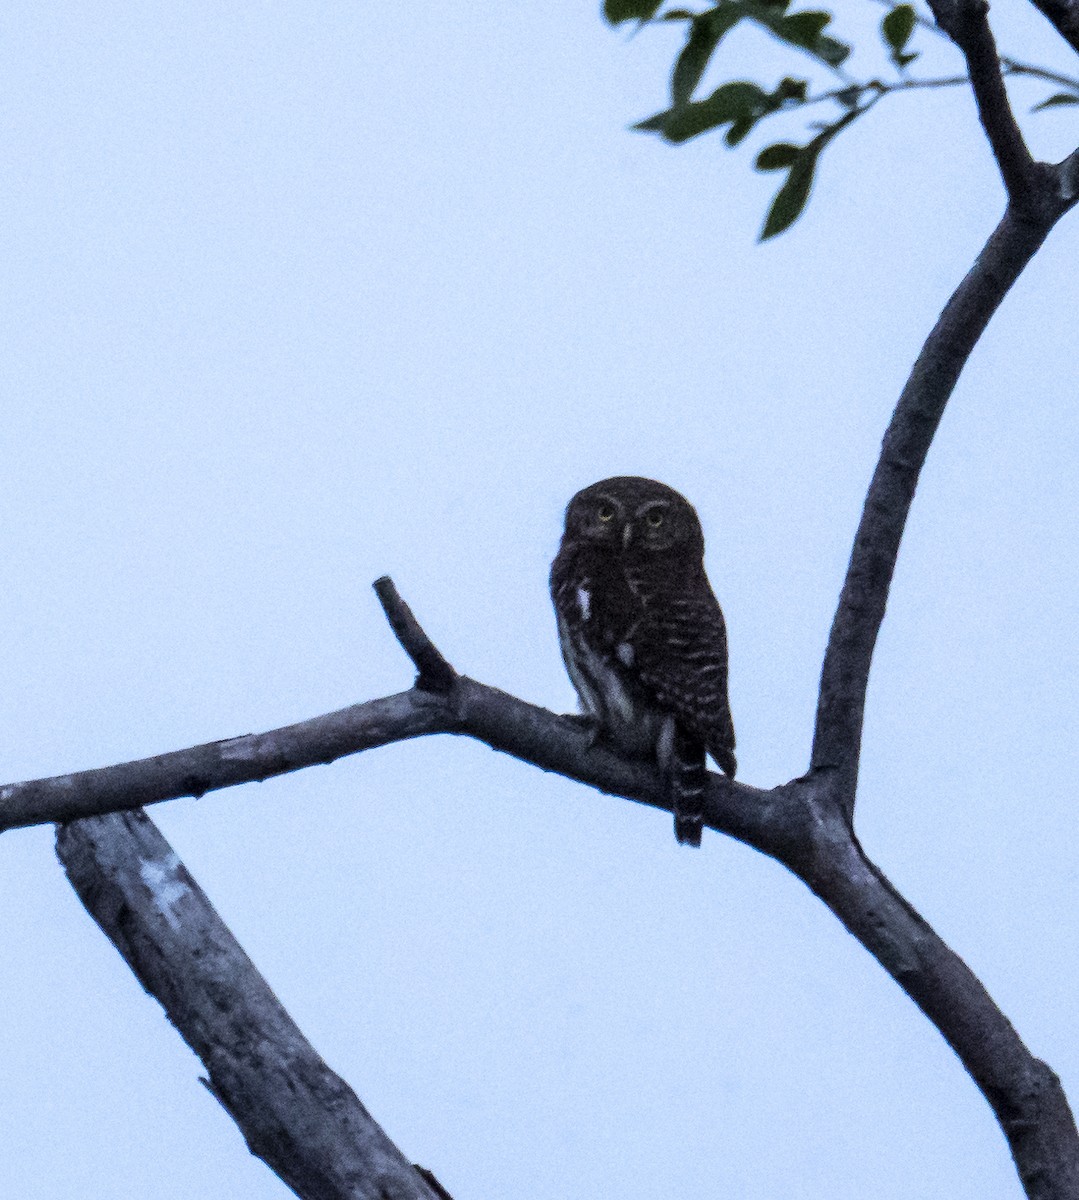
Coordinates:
[634,517]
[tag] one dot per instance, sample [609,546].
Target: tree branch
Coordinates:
[214,765]
[801,824]
[435,673]
[1063,15]
[301,1119]
[1025,1094]
[966,22]
[526,731]
[845,672]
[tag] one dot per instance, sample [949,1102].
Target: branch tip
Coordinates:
[434,673]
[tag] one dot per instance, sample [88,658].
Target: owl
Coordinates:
[642,634]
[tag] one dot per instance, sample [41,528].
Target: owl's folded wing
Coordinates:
[680,653]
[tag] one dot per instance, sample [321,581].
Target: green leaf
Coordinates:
[732,103]
[738,104]
[656,124]
[739,130]
[791,197]
[791,91]
[704,36]
[777,157]
[803,30]
[617,11]
[897,27]
[1056,101]
[832,51]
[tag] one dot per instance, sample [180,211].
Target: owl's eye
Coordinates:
[605,512]
[655,518]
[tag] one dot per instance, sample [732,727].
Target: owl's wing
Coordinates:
[680,651]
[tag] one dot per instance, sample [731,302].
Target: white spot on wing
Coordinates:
[165,888]
[584,602]
[625,654]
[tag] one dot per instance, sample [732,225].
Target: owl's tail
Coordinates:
[688,780]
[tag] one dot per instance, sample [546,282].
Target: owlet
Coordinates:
[642,634]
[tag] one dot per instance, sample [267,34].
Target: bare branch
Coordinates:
[527,732]
[1063,15]
[435,673]
[801,824]
[966,22]
[301,1119]
[1024,1093]
[1068,178]
[845,672]
[206,768]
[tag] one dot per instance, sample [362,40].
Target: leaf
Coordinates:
[739,130]
[704,36]
[803,30]
[832,51]
[1056,101]
[656,124]
[792,196]
[617,11]
[732,103]
[777,157]
[791,91]
[897,27]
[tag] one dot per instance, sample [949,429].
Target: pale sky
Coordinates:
[299,295]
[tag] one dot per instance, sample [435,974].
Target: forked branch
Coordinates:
[799,823]
[805,824]
[966,22]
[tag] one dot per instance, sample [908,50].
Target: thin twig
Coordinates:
[435,673]
[881,88]
[1013,66]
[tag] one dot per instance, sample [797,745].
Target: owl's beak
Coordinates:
[627,534]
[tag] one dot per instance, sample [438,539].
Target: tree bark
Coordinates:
[301,1119]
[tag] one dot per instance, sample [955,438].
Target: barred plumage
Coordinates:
[642,634]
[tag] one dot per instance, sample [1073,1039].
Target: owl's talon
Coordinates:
[589,724]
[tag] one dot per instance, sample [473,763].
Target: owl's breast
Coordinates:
[609,693]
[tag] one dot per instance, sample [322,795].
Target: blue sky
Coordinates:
[296,296]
